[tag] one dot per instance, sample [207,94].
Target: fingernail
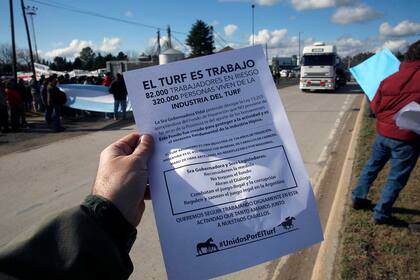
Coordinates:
[146,137]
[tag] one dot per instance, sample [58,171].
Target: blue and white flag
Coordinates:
[90,98]
[371,72]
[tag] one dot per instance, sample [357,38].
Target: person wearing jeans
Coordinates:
[119,90]
[117,104]
[403,158]
[400,146]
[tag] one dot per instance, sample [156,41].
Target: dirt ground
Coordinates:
[369,251]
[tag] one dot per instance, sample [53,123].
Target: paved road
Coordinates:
[42,181]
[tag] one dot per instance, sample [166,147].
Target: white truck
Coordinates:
[320,68]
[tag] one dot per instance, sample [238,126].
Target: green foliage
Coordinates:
[100,61]
[77,64]
[61,64]
[200,39]
[88,58]
[121,56]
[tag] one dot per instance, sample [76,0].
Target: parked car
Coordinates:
[284,73]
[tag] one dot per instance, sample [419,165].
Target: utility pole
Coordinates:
[169,38]
[253,34]
[299,49]
[266,52]
[212,36]
[12,28]
[158,42]
[29,39]
[31,11]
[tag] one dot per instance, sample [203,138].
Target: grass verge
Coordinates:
[369,251]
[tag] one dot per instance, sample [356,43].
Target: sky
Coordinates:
[64,27]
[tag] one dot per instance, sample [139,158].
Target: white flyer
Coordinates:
[409,117]
[229,187]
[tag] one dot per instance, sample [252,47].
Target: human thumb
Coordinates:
[144,149]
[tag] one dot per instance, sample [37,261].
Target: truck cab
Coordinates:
[319,66]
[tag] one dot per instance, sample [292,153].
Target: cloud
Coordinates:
[129,14]
[110,44]
[72,50]
[258,2]
[395,45]
[267,2]
[76,45]
[273,38]
[349,46]
[359,13]
[230,29]
[404,28]
[318,4]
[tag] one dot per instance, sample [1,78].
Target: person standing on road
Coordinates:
[119,90]
[107,79]
[4,115]
[36,95]
[26,97]
[93,240]
[44,99]
[15,102]
[56,99]
[400,146]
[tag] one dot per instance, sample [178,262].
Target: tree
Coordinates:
[121,56]
[59,64]
[45,62]
[200,39]
[399,55]
[77,64]
[23,58]
[109,57]
[100,61]
[360,57]
[87,56]
[5,54]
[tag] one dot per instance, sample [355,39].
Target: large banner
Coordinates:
[90,98]
[229,187]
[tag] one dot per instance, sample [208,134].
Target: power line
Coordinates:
[230,41]
[221,38]
[57,5]
[95,14]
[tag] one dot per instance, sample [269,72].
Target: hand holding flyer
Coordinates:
[228,184]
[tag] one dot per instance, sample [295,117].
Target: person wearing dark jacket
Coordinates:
[401,146]
[15,102]
[93,240]
[4,114]
[26,101]
[55,99]
[119,90]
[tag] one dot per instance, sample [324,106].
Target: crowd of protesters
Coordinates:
[44,96]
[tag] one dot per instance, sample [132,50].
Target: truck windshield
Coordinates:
[318,60]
